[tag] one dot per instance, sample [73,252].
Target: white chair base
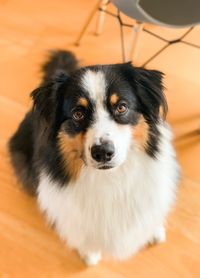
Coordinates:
[102,5]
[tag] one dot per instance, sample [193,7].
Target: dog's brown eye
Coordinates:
[78,115]
[121,108]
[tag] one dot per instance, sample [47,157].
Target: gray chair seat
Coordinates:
[170,13]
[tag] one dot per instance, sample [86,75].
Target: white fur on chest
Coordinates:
[114,211]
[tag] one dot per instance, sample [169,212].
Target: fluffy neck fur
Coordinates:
[107,211]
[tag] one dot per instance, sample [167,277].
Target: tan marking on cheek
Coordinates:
[141,133]
[83,102]
[114,98]
[72,152]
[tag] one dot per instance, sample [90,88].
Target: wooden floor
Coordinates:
[28,248]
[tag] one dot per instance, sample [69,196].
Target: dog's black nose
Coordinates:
[103,152]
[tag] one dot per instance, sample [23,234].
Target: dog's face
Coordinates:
[102,112]
[99,112]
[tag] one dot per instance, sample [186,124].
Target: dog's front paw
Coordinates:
[90,259]
[159,236]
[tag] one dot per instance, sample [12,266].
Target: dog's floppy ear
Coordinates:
[149,90]
[150,93]
[48,98]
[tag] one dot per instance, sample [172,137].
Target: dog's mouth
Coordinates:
[99,167]
[105,167]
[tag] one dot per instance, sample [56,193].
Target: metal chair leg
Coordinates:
[101,17]
[88,20]
[135,43]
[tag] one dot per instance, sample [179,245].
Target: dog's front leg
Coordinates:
[90,259]
[159,236]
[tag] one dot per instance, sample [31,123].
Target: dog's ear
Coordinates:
[150,93]
[149,90]
[48,98]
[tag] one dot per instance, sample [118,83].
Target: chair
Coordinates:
[170,13]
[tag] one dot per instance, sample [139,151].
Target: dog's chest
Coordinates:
[107,210]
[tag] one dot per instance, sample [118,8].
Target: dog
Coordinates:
[96,151]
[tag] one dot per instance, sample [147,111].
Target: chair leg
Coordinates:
[88,20]
[101,17]
[135,42]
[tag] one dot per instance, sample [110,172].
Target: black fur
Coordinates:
[59,61]
[148,89]
[34,146]
[22,148]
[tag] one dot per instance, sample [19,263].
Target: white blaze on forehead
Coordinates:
[103,127]
[95,84]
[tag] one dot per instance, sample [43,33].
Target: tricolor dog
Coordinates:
[96,151]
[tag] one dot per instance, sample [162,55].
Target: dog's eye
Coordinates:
[121,108]
[78,115]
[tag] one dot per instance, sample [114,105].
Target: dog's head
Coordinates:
[95,115]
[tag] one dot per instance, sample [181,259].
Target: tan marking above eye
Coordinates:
[83,102]
[114,99]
